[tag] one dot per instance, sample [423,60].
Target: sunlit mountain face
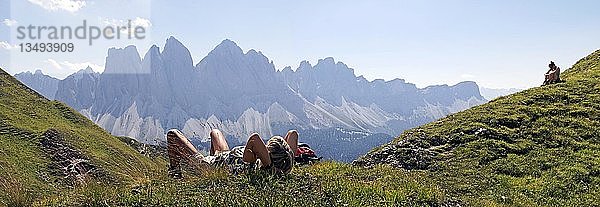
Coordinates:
[343,115]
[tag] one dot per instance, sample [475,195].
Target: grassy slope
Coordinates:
[24,167]
[25,178]
[324,184]
[537,147]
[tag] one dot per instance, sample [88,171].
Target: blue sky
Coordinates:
[499,44]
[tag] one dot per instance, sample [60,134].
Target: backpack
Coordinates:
[306,155]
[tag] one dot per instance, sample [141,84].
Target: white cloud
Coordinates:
[143,22]
[138,21]
[55,5]
[54,64]
[9,22]
[7,46]
[73,67]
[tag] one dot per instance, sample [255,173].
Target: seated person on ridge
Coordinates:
[553,74]
[277,156]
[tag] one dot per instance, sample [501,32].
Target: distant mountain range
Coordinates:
[43,84]
[340,114]
[492,93]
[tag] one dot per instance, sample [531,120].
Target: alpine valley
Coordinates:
[338,113]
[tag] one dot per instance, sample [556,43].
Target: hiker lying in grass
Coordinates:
[277,156]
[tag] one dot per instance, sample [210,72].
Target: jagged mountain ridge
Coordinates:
[242,92]
[40,82]
[78,89]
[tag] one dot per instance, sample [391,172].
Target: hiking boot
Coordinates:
[175,172]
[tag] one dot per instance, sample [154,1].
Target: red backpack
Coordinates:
[305,155]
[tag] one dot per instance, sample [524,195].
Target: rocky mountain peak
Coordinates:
[467,89]
[88,70]
[326,61]
[153,51]
[122,60]
[287,69]
[152,56]
[304,66]
[256,54]
[175,52]
[227,47]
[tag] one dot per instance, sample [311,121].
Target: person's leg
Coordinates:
[178,148]
[174,157]
[553,77]
[256,149]
[217,142]
[179,145]
[292,139]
